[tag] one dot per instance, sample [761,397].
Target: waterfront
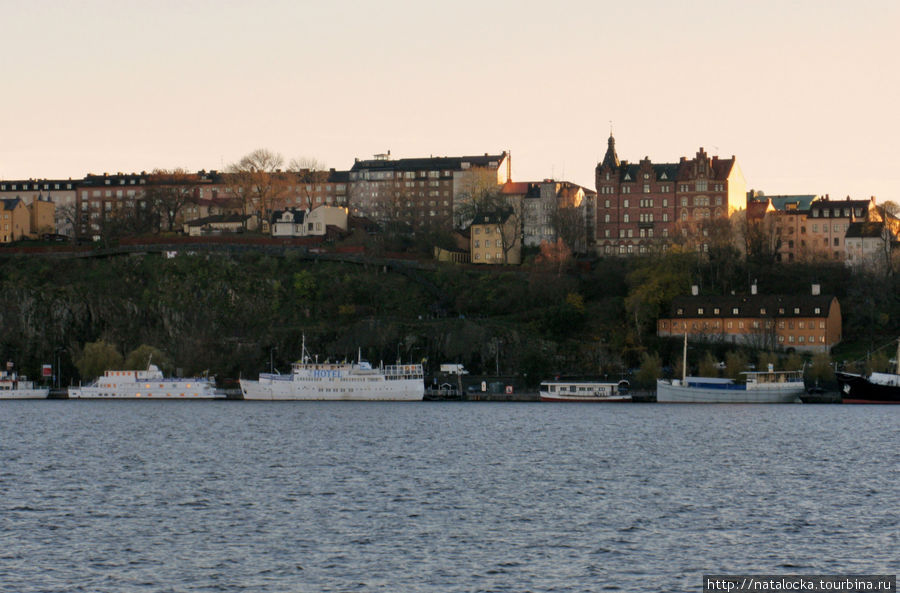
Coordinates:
[439,497]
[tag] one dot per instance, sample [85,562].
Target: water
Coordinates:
[137,496]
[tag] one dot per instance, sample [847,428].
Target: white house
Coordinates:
[306,223]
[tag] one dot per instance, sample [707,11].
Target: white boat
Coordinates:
[312,380]
[760,387]
[13,386]
[584,391]
[148,384]
[763,387]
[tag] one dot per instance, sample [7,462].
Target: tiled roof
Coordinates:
[751,306]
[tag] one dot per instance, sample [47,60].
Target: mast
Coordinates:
[897,370]
[684,360]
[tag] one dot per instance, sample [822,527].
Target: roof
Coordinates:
[529,189]
[431,163]
[11,203]
[797,202]
[298,217]
[751,306]
[491,218]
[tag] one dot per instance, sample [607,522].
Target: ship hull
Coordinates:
[24,393]
[666,392]
[161,391]
[857,389]
[299,389]
[547,397]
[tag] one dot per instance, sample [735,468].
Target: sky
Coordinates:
[805,93]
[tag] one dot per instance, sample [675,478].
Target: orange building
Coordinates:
[15,220]
[810,323]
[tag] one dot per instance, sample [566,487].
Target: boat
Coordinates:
[760,387]
[15,386]
[562,390]
[876,388]
[146,384]
[359,381]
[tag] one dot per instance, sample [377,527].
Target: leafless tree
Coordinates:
[168,192]
[258,182]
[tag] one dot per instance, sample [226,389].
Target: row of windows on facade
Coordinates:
[836,228]
[762,311]
[33,186]
[791,338]
[835,213]
[488,256]
[664,202]
[646,188]
[381,175]
[836,241]
[630,249]
[487,230]
[487,243]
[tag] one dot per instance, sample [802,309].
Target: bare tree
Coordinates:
[168,192]
[478,193]
[258,183]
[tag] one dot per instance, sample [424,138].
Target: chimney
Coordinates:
[695,290]
[816,289]
[753,287]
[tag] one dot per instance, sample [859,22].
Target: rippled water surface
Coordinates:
[439,497]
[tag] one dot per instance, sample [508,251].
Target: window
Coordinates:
[734,311]
[624,218]
[700,311]
[701,185]
[624,203]
[646,188]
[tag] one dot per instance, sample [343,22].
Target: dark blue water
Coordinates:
[439,497]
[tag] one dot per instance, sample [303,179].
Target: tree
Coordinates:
[258,183]
[650,370]
[479,194]
[168,192]
[141,357]
[309,171]
[735,364]
[97,357]
[709,366]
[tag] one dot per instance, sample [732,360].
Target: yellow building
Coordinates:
[496,238]
[15,220]
[41,217]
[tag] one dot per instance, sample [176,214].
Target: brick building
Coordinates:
[809,322]
[645,204]
[421,191]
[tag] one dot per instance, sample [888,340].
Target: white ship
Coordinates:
[149,384]
[13,386]
[312,380]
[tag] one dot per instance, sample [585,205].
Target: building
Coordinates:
[61,192]
[644,205]
[423,192]
[496,238]
[868,246]
[552,209]
[808,228]
[809,322]
[305,223]
[219,224]
[15,220]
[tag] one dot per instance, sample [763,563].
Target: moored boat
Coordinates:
[15,386]
[876,388]
[760,387]
[562,390]
[359,381]
[147,384]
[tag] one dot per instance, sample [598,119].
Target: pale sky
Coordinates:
[805,93]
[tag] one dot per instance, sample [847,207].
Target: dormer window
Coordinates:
[796,310]
[699,310]
[734,311]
